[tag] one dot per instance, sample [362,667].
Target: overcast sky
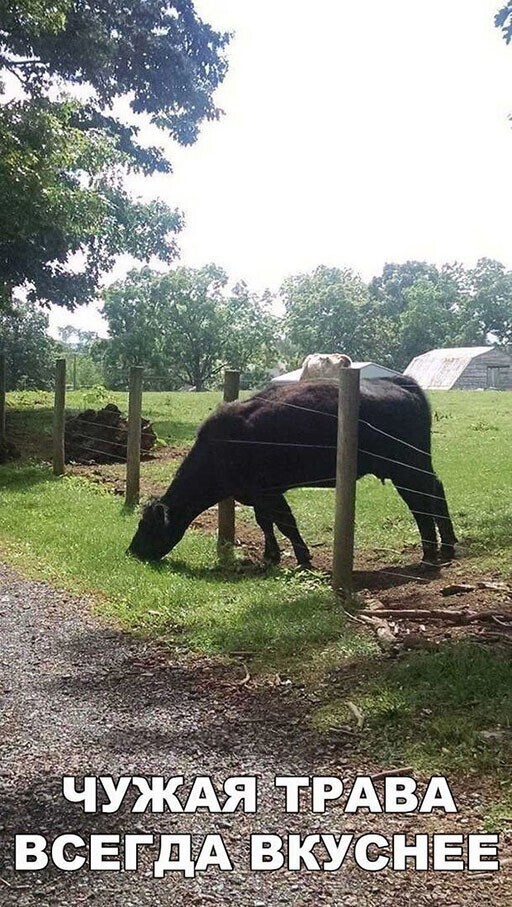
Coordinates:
[354,133]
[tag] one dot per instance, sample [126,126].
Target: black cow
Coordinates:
[285,437]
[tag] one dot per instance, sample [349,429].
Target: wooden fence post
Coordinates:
[346,477]
[226,509]
[59,417]
[2,397]
[134,430]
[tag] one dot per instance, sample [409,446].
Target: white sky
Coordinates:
[355,133]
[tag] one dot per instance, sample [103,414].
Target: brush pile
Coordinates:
[101,436]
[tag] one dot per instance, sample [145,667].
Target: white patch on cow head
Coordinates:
[324,366]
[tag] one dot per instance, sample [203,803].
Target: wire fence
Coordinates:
[117,439]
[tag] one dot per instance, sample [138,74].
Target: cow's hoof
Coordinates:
[430,562]
[447,553]
[272,558]
[305,565]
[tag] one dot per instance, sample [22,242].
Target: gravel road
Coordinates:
[81,697]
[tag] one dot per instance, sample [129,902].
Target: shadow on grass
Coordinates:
[234,572]
[284,618]
[23,477]
[271,614]
[385,577]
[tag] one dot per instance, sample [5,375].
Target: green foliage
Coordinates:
[95,397]
[158,52]
[31,17]
[64,211]
[407,310]
[83,371]
[391,287]
[61,195]
[77,346]
[30,352]
[185,327]
[426,323]
[324,311]
[485,304]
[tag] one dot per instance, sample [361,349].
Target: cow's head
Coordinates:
[159,530]
[324,366]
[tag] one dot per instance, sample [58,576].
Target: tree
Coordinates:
[61,195]
[251,340]
[324,311]
[427,322]
[185,326]
[485,305]
[158,53]
[389,290]
[64,210]
[77,346]
[30,353]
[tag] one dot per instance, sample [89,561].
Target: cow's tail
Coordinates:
[423,420]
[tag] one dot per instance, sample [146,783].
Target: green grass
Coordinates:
[175,415]
[449,709]
[472,447]
[76,534]
[472,444]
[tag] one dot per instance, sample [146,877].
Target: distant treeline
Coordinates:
[186,325]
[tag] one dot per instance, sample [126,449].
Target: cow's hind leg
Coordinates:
[420,505]
[271,553]
[276,508]
[444,522]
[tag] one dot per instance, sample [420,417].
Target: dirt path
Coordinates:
[81,697]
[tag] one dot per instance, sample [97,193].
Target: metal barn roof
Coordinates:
[440,369]
[367,369]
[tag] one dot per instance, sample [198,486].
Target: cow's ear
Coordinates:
[162,514]
[158,515]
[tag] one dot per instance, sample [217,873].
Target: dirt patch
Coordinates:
[412,586]
[113,475]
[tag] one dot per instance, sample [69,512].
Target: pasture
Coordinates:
[431,708]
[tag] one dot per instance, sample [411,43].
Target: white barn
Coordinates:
[462,368]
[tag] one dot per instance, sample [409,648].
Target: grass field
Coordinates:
[472,443]
[428,708]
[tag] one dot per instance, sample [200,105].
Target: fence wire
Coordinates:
[122,459]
